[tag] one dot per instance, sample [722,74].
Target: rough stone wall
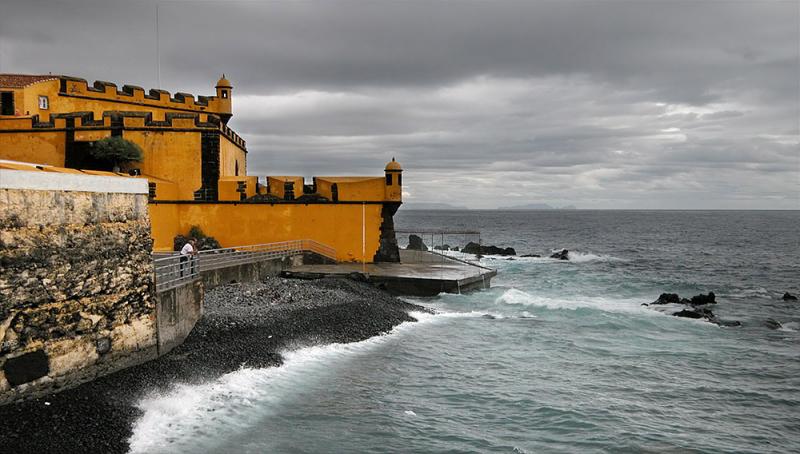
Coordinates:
[388,251]
[76,288]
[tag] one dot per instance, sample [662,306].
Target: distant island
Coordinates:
[537,206]
[431,206]
[447,206]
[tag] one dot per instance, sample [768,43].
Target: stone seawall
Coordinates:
[76,281]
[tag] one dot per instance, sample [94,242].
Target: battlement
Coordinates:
[102,90]
[233,137]
[123,120]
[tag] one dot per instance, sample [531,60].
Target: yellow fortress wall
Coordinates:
[196,166]
[336,225]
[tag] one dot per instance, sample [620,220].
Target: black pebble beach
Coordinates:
[243,325]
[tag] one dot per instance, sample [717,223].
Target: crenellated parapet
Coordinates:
[233,137]
[125,120]
[108,91]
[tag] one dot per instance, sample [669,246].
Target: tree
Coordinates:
[116,151]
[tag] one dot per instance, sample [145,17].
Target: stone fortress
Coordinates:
[195,166]
[78,297]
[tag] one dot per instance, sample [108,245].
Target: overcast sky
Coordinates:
[599,104]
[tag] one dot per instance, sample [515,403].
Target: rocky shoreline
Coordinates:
[243,325]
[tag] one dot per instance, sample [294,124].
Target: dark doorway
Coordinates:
[6,103]
[79,157]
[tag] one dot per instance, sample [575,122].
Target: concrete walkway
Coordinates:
[420,273]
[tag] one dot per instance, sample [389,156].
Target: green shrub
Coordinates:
[196,232]
[204,242]
[116,151]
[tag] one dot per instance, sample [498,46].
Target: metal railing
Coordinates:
[174,270]
[447,243]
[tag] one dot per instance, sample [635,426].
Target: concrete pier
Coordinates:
[420,273]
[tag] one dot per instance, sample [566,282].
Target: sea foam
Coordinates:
[518,297]
[574,257]
[182,416]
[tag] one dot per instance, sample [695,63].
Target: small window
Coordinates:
[236,169]
[399,179]
[224,94]
[388,179]
[44,103]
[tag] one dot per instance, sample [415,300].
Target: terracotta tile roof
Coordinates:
[22,80]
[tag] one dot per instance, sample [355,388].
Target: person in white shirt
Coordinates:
[188,252]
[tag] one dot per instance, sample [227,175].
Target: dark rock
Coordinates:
[667,298]
[530,255]
[727,323]
[697,300]
[472,248]
[443,247]
[103,345]
[701,300]
[789,297]
[415,243]
[488,316]
[477,249]
[687,313]
[561,255]
[772,324]
[696,308]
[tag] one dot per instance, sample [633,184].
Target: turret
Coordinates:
[224,89]
[394,181]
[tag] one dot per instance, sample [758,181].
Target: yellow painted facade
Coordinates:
[336,225]
[172,156]
[276,185]
[195,164]
[236,189]
[233,160]
[45,147]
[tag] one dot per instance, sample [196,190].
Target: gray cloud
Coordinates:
[653,104]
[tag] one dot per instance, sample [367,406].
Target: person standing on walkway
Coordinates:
[188,253]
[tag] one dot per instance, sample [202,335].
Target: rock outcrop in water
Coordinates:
[531,255]
[415,243]
[789,297]
[697,300]
[696,307]
[477,249]
[772,324]
[560,255]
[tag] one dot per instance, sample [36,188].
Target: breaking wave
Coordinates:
[183,415]
[574,257]
[519,298]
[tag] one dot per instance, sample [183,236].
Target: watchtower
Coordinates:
[224,89]
[394,181]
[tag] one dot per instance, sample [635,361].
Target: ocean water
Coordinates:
[570,361]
